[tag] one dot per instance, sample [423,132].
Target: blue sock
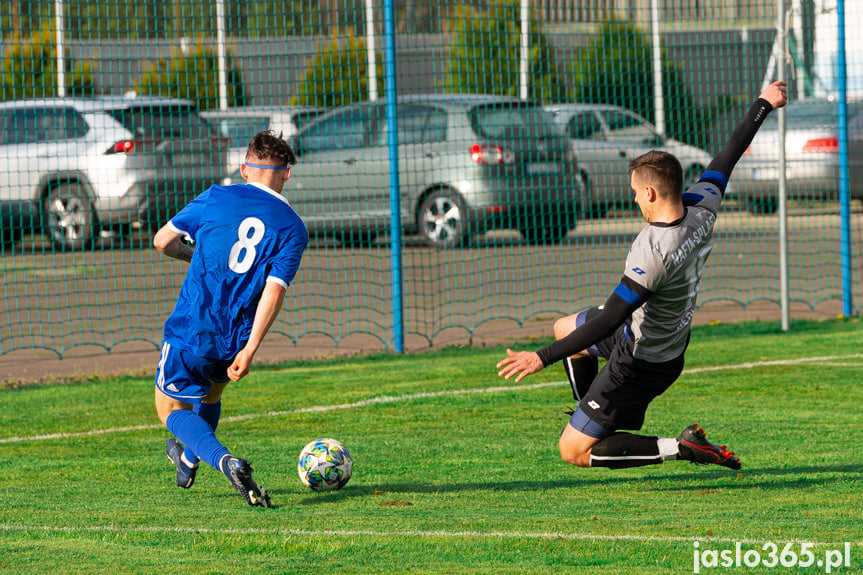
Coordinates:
[194,431]
[209,412]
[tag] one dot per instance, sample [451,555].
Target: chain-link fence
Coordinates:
[515,124]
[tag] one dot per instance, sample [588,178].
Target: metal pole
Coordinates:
[659,97]
[844,190]
[780,47]
[221,58]
[370,50]
[61,48]
[524,60]
[800,64]
[395,196]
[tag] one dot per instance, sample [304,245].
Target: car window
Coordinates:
[33,125]
[344,130]
[512,121]
[304,117]
[627,128]
[585,126]
[163,122]
[436,126]
[417,124]
[240,131]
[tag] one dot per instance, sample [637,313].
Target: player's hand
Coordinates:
[239,368]
[519,364]
[776,93]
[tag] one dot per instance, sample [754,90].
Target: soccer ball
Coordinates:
[325,464]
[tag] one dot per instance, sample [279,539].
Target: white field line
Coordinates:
[282,532]
[383,399]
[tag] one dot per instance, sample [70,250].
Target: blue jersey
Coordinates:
[245,236]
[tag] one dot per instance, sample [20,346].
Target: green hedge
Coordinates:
[192,75]
[28,69]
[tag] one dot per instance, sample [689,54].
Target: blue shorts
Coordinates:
[188,377]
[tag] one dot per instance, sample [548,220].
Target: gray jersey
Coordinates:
[668,260]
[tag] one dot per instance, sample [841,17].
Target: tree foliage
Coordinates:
[193,75]
[28,69]
[617,68]
[485,54]
[338,74]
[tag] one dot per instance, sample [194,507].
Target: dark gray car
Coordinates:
[467,164]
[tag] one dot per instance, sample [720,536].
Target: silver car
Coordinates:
[76,167]
[606,138]
[241,123]
[467,164]
[811,154]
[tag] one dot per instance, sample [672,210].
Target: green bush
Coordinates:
[617,68]
[192,75]
[28,69]
[338,74]
[484,56]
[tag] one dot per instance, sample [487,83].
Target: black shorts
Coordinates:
[625,386]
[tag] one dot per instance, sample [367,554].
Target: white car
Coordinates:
[606,138]
[76,167]
[238,125]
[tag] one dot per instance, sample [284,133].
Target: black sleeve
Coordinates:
[614,313]
[739,140]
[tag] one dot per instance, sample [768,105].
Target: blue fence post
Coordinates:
[844,191]
[395,195]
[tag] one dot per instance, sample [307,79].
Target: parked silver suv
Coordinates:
[76,167]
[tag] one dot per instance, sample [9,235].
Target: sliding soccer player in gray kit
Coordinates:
[643,329]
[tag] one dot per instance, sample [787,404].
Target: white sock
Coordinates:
[668,448]
[186,462]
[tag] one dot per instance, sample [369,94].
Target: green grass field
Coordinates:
[456,470]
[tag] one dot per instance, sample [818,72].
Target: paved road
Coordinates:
[118,298]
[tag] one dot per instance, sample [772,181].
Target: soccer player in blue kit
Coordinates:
[643,329]
[247,243]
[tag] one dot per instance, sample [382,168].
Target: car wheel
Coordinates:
[69,218]
[442,220]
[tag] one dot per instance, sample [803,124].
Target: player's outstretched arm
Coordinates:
[774,96]
[268,310]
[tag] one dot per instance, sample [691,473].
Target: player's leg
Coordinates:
[190,429]
[184,380]
[586,443]
[618,399]
[581,368]
[576,441]
[210,410]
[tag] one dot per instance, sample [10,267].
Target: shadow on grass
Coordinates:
[699,481]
